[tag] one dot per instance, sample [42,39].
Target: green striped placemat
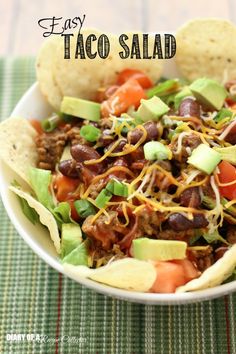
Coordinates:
[42,311]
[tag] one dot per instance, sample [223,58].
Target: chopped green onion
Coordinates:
[50,123]
[84,208]
[117,188]
[164,88]
[213,237]
[223,113]
[154,150]
[103,197]
[90,133]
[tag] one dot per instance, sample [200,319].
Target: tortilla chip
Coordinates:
[128,273]
[17,145]
[45,217]
[213,275]
[207,47]
[82,77]
[44,71]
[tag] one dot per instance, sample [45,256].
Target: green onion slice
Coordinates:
[90,133]
[84,208]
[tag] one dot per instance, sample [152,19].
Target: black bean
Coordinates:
[83,153]
[68,168]
[231,138]
[178,222]
[189,107]
[119,147]
[190,197]
[199,221]
[152,133]
[105,138]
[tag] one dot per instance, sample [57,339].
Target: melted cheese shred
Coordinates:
[157,206]
[229,204]
[218,210]
[130,148]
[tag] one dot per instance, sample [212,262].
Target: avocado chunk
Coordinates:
[71,237]
[204,158]
[152,109]
[209,92]
[227,153]
[185,92]
[81,108]
[78,256]
[158,250]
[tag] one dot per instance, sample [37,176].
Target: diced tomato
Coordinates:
[230,102]
[138,75]
[127,95]
[172,274]
[36,125]
[227,174]
[64,187]
[74,214]
[104,94]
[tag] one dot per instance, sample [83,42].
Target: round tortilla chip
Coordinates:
[17,145]
[128,273]
[213,275]
[207,47]
[45,217]
[44,71]
[83,77]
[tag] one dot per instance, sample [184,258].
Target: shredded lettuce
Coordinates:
[62,212]
[71,237]
[40,181]
[232,277]
[29,212]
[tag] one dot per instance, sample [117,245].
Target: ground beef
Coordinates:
[74,137]
[190,142]
[104,234]
[50,147]
[101,257]
[170,234]
[203,258]
[231,234]
[105,123]
[97,187]
[149,221]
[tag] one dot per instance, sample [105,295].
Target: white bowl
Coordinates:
[33,105]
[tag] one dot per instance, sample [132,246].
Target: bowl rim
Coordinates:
[132,296]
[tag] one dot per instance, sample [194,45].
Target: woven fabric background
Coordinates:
[60,316]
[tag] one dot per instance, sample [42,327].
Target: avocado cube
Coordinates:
[81,108]
[152,109]
[209,92]
[158,250]
[185,92]
[204,158]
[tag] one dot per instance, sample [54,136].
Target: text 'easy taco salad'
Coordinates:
[135,180]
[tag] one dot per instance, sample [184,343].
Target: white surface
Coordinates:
[33,104]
